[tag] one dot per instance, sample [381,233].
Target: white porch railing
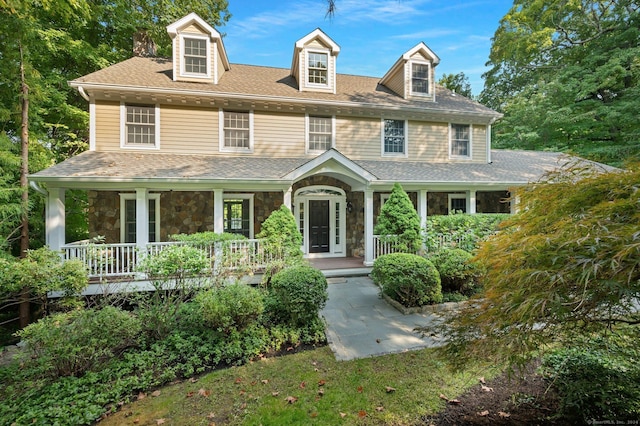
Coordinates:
[381,247]
[121,260]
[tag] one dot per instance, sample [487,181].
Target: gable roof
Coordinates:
[248,82]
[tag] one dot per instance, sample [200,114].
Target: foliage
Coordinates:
[598,379]
[458,273]
[566,264]
[408,279]
[457,83]
[463,231]
[398,222]
[566,75]
[282,237]
[298,293]
[71,343]
[207,238]
[231,307]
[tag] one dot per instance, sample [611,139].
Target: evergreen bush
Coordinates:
[463,231]
[297,294]
[282,239]
[408,279]
[231,307]
[398,222]
[458,272]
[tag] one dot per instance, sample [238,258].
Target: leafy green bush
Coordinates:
[207,238]
[282,237]
[462,231]
[596,381]
[458,272]
[298,293]
[408,279]
[231,307]
[398,222]
[68,344]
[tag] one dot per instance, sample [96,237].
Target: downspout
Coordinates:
[33,184]
[83,93]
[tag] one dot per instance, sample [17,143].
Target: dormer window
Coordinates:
[195,55]
[419,79]
[318,68]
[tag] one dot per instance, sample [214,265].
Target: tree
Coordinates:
[458,83]
[398,222]
[566,265]
[282,237]
[566,76]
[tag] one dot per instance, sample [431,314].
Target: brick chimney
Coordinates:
[143,46]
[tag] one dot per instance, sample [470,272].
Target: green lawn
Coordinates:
[326,392]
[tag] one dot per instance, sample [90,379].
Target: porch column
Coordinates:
[55,219]
[287,197]
[368,227]
[218,211]
[422,207]
[142,219]
[471,201]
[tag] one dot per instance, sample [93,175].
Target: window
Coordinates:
[420,79]
[457,203]
[394,137]
[238,214]
[317,68]
[320,133]
[195,56]
[236,131]
[140,125]
[128,217]
[460,140]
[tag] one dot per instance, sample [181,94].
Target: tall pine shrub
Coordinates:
[398,222]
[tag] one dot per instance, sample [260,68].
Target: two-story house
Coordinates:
[196,143]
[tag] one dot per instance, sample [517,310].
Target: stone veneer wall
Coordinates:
[263,204]
[104,215]
[486,202]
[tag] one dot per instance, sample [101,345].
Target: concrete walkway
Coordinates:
[360,324]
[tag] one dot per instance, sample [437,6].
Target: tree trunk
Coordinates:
[25,305]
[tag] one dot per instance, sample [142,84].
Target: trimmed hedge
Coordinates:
[298,293]
[233,307]
[408,279]
[458,272]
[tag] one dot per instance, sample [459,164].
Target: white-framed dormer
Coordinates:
[139,126]
[236,130]
[394,137]
[314,62]
[401,77]
[460,141]
[198,51]
[320,133]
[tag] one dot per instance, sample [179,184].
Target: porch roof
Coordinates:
[507,168]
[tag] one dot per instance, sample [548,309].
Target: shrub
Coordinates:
[231,307]
[398,222]
[596,382]
[458,273]
[462,231]
[68,344]
[408,279]
[298,293]
[207,238]
[281,235]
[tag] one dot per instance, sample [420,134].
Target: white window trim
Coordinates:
[223,148]
[383,199]
[410,72]
[249,197]
[457,197]
[183,72]
[333,194]
[406,139]
[132,196]
[306,133]
[461,157]
[123,127]
[329,68]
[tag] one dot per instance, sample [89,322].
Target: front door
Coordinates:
[319,226]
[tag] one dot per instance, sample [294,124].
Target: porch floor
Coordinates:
[341,266]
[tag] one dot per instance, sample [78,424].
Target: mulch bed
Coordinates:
[522,399]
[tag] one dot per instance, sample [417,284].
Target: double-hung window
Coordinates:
[318,65]
[128,217]
[419,79]
[237,217]
[460,140]
[236,131]
[319,133]
[140,126]
[195,56]
[394,138]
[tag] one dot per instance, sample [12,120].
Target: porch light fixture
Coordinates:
[349,207]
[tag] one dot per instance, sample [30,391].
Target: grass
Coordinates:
[328,392]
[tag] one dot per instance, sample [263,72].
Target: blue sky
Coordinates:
[372,34]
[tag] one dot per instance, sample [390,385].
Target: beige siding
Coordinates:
[278,135]
[479,141]
[188,130]
[217,45]
[193,28]
[358,138]
[107,126]
[317,44]
[396,83]
[428,141]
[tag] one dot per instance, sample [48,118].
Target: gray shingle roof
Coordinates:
[508,167]
[250,80]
